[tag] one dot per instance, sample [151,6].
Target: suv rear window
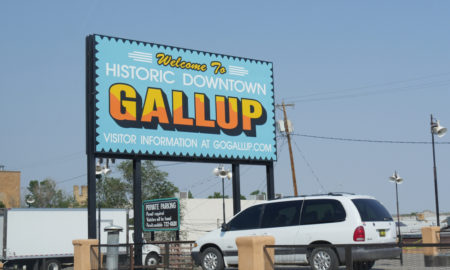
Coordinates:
[372,210]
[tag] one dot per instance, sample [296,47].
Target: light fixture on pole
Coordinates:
[223,173]
[29,199]
[436,129]
[100,173]
[101,170]
[397,180]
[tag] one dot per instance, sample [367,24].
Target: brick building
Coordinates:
[81,198]
[10,188]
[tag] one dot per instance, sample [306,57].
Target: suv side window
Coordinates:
[322,211]
[247,219]
[281,214]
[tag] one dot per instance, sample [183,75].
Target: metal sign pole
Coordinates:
[90,90]
[92,229]
[236,188]
[137,206]
[270,181]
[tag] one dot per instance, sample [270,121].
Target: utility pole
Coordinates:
[288,135]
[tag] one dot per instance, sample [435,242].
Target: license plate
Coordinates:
[382,233]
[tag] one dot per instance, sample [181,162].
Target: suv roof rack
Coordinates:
[339,193]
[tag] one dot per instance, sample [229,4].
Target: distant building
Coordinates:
[203,215]
[81,198]
[257,197]
[10,188]
[413,224]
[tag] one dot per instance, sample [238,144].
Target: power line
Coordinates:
[263,183]
[85,174]
[370,86]
[170,164]
[208,188]
[309,166]
[339,93]
[283,143]
[52,160]
[70,179]
[365,140]
[370,93]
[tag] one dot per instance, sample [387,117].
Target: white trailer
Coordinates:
[42,238]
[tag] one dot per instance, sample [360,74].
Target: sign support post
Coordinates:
[236,188]
[92,230]
[270,181]
[137,206]
[90,122]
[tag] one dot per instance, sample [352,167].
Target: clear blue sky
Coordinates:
[354,69]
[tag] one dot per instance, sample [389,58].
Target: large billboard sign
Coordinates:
[159,100]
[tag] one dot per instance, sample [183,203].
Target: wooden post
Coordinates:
[288,135]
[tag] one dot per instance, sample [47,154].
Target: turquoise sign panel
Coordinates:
[160,100]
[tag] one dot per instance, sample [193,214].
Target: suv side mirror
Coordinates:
[225,227]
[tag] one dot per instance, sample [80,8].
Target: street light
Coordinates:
[223,173]
[440,131]
[397,180]
[29,199]
[100,174]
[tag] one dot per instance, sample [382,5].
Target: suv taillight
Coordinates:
[359,235]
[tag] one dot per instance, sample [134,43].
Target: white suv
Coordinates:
[331,219]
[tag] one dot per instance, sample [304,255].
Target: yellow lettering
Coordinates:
[167,60]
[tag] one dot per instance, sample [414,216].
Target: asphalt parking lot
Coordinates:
[410,262]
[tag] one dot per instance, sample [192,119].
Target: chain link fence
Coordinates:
[177,255]
[154,255]
[412,256]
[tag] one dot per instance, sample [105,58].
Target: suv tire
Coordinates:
[212,259]
[323,259]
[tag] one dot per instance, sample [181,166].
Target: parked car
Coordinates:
[330,219]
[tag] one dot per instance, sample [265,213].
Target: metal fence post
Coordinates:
[166,256]
[401,253]
[132,257]
[348,258]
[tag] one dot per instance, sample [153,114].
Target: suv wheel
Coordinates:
[212,259]
[323,259]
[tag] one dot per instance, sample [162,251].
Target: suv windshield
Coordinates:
[371,210]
